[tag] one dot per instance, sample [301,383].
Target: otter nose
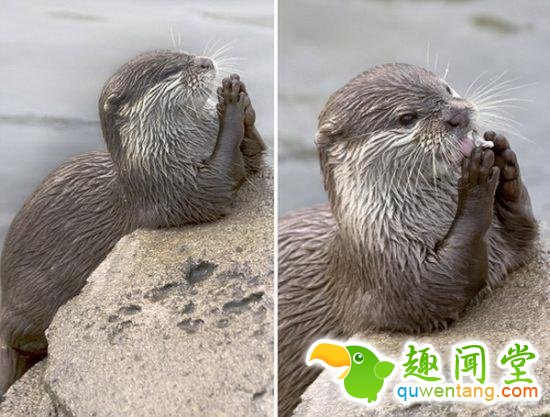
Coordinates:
[458,118]
[205,63]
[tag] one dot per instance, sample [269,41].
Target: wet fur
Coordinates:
[171,160]
[393,250]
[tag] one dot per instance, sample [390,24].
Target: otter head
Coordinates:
[145,103]
[389,131]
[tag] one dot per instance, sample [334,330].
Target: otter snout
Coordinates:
[458,118]
[204,63]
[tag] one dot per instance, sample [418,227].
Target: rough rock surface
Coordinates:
[518,310]
[28,397]
[173,323]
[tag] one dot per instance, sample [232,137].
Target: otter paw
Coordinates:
[249,112]
[509,187]
[477,186]
[478,170]
[221,102]
[231,100]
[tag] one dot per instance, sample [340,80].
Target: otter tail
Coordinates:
[13,364]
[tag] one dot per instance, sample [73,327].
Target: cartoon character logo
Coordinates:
[364,375]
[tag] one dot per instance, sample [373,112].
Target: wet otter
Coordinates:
[419,220]
[174,157]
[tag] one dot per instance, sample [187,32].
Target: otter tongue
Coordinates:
[466,145]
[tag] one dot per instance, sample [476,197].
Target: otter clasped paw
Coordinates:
[231,103]
[249,112]
[477,187]
[509,187]
[252,146]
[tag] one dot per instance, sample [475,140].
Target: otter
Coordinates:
[423,218]
[174,157]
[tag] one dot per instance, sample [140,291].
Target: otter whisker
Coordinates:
[499,117]
[434,172]
[503,112]
[474,82]
[213,46]
[494,94]
[447,156]
[489,121]
[494,81]
[491,94]
[224,60]
[227,61]
[501,97]
[493,105]
[497,106]
[490,84]
[176,41]
[210,45]
[500,113]
[205,51]
[506,110]
[419,173]
[492,100]
[495,124]
[226,70]
[413,163]
[227,64]
[231,58]
[172,37]
[225,48]
[447,69]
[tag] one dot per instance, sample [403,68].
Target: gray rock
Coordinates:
[28,397]
[518,310]
[173,323]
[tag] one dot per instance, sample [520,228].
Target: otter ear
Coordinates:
[325,134]
[113,102]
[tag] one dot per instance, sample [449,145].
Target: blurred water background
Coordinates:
[324,43]
[55,56]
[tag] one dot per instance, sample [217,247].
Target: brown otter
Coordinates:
[174,157]
[408,238]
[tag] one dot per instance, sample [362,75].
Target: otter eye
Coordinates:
[168,72]
[449,90]
[408,119]
[358,358]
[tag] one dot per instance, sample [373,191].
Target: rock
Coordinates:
[518,310]
[28,397]
[173,323]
